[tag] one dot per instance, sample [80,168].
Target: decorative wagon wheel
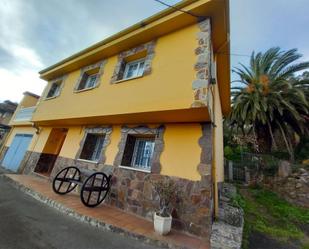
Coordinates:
[95,189]
[66,180]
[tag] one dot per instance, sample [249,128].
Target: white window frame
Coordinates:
[88,80]
[87,83]
[134,162]
[139,70]
[57,92]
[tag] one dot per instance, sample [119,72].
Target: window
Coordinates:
[134,69]
[88,81]
[138,152]
[92,148]
[54,90]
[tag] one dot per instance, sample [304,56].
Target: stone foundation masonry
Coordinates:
[202,66]
[132,190]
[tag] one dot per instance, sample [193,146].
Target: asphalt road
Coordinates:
[28,224]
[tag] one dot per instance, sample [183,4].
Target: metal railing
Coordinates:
[250,167]
[24,114]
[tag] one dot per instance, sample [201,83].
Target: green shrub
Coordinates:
[302,149]
[228,152]
[234,153]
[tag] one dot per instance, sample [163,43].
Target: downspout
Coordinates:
[212,89]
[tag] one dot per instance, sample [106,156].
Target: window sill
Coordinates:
[87,161]
[123,80]
[134,169]
[53,97]
[85,89]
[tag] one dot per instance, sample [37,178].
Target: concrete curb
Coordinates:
[87,219]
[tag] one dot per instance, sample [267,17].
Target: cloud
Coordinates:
[14,84]
[35,34]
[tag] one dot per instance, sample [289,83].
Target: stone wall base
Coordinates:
[293,188]
[132,191]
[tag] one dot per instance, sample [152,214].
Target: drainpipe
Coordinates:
[211,88]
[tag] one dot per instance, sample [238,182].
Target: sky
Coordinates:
[35,34]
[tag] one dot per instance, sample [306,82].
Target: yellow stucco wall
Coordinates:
[180,156]
[181,153]
[112,149]
[72,141]
[55,141]
[41,140]
[168,87]
[27,101]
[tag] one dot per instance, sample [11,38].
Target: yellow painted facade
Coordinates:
[163,97]
[168,87]
[179,139]
[29,100]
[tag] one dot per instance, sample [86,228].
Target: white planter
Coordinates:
[162,225]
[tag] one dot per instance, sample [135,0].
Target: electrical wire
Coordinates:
[199,17]
[181,10]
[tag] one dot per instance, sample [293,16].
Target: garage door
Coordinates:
[16,151]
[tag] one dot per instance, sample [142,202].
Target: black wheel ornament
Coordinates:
[66,180]
[95,189]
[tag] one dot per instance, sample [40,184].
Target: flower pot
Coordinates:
[162,225]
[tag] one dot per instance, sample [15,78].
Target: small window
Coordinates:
[88,81]
[138,152]
[54,90]
[134,69]
[92,147]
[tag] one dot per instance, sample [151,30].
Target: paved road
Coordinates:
[28,224]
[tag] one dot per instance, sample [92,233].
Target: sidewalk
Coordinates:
[103,216]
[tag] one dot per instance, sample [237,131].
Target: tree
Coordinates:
[266,100]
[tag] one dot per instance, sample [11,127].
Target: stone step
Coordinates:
[225,236]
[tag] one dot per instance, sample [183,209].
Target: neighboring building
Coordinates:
[7,109]
[21,133]
[149,102]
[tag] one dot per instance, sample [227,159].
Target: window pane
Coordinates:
[132,70]
[143,151]
[91,80]
[128,151]
[92,147]
[82,84]
[141,68]
[54,90]
[98,148]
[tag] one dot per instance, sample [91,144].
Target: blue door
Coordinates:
[16,151]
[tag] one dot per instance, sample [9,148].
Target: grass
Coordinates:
[267,213]
[305,246]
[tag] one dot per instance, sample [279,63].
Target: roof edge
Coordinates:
[31,94]
[123,32]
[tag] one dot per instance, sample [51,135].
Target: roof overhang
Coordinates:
[155,26]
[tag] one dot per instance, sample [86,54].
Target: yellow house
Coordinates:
[148,102]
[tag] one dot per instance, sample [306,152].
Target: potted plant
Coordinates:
[167,194]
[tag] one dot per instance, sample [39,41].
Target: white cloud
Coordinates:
[13,84]
[26,56]
[18,73]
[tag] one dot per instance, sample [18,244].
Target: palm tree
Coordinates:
[265,99]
